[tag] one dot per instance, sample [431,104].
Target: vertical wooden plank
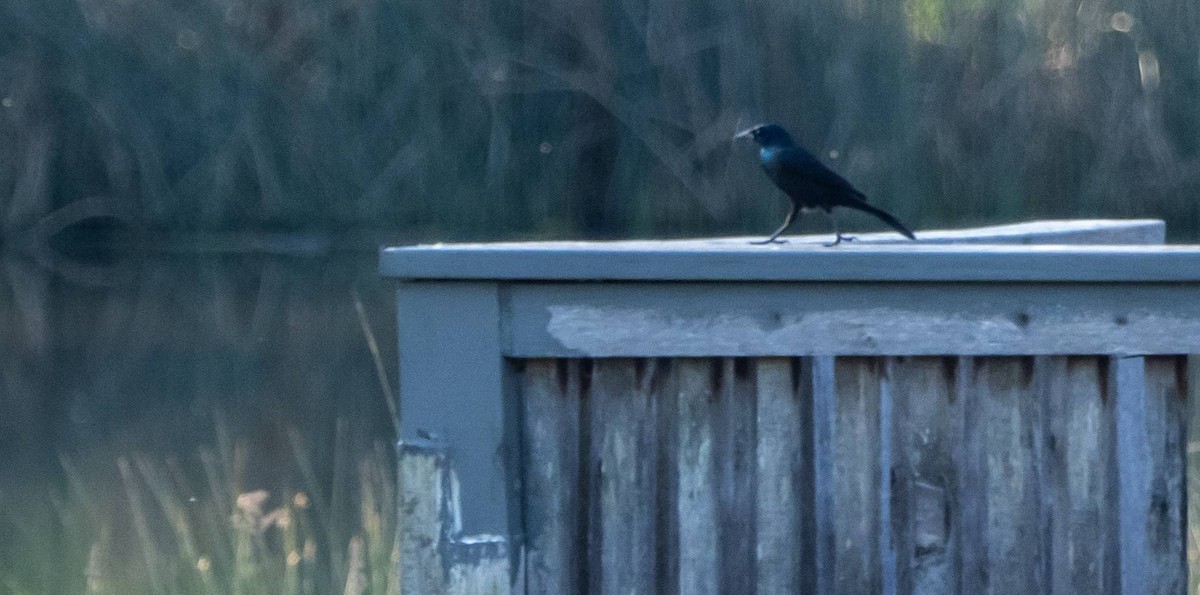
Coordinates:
[924,433]
[886,542]
[1011,441]
[899,474]
[736,479]
[1166,394]
[622,539]
[856,475]
[1128,375]
[824,429]
[1151,395]
[666,388]
[970,530]
[782,474]
[803,375]
[696,505]
[1079,422]
[1192,472]
[552,501]
[421,522]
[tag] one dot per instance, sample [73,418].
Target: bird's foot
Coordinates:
[769,241]
[839,238]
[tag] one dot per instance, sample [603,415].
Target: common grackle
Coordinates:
[808,182]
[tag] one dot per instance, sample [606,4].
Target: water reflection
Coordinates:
[163,389]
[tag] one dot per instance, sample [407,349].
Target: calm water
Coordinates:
[147,400]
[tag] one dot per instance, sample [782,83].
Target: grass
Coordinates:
[168,526]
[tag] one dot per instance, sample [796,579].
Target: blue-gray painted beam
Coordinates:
[1069,231]
[725,260]
[653,260]
[788,319]
[916,262]
[452,380]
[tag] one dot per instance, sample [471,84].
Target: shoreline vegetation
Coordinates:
[194,526]
[550,120]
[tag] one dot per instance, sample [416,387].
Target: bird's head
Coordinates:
[767,135]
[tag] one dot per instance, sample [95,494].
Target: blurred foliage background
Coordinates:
[372,120]
[196,349]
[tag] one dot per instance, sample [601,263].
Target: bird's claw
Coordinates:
[839,238]
[769,241]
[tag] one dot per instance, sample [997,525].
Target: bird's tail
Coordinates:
[883,216]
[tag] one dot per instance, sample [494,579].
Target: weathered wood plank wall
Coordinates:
[918,475]
[605,447]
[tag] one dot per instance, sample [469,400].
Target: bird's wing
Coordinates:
[797,163]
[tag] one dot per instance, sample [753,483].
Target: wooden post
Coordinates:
[434,556]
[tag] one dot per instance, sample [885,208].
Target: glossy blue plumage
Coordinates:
[806,181]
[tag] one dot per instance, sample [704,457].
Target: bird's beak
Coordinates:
[747,133]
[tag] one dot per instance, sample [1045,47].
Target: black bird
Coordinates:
[808,182]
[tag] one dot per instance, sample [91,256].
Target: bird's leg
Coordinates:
[787,222]
[837,235]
